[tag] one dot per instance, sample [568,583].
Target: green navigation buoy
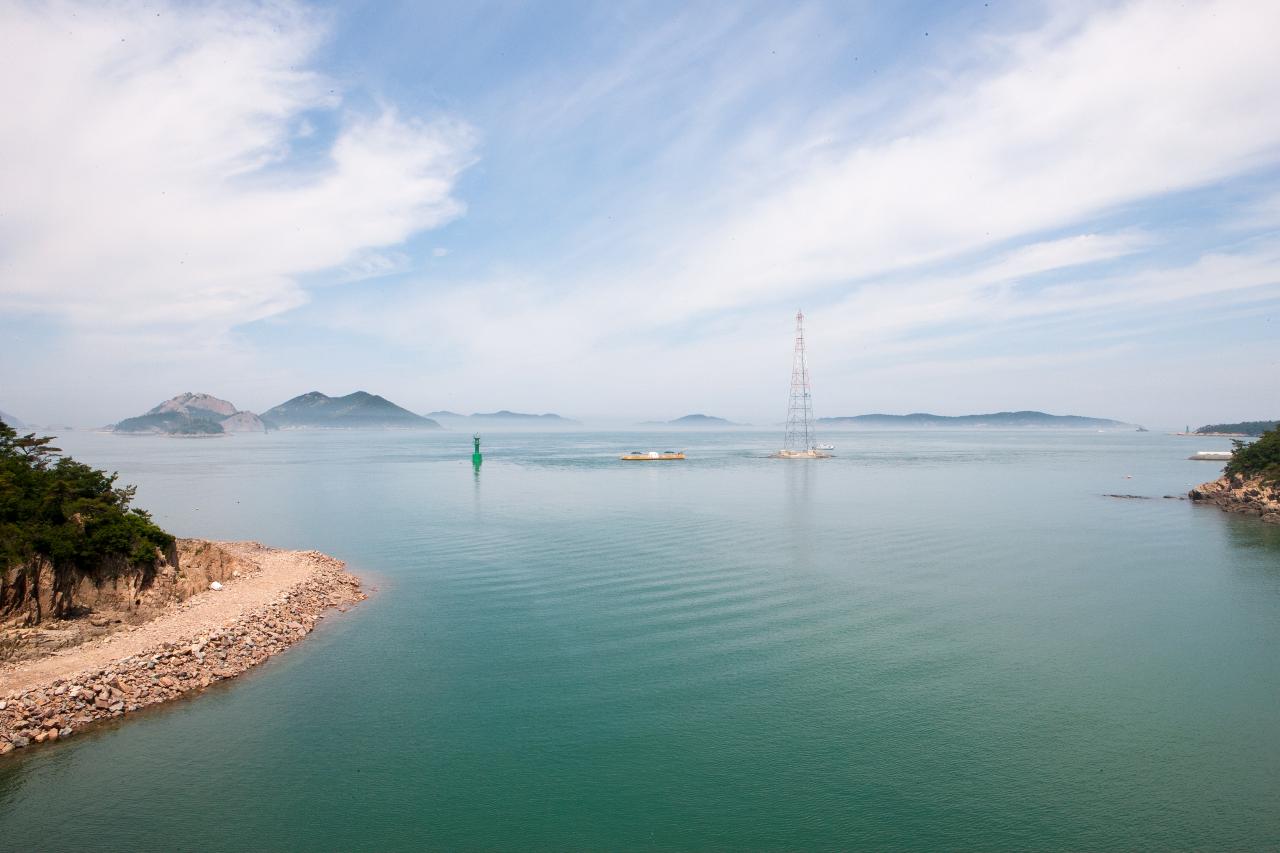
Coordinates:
[476,458]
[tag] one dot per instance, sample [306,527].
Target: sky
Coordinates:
[614,210]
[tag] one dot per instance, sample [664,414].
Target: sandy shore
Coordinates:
[210,636]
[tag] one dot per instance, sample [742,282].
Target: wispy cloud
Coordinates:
[149,156]
[1136,101]
[654,203]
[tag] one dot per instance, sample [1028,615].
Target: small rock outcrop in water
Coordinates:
[1243,494]
[58,708]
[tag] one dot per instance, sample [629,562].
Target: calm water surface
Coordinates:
[937,639]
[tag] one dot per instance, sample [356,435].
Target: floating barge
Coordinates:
[652,456]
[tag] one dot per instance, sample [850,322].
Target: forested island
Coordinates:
[192,415]
[195,415]
[358,410]
[1241,428]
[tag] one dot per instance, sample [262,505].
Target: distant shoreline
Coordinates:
[1213,434]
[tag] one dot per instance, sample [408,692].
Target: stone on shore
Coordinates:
[56,710]
[1247,495]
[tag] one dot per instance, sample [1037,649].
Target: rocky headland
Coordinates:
[212,612]
[1243,494]
[192,415]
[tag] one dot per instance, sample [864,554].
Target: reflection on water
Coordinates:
[938,639]
[1251,532]
[799,475]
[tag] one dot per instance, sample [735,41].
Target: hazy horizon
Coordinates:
[613,211]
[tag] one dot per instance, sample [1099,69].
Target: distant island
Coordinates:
[11,420]
[192,415]
[694,421]
[996,419]
[503,418]
[1253,428]
[359,410]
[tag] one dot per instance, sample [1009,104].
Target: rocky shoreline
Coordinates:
[184,662]
[1236,493]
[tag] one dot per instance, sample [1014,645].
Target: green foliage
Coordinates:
[1246,427]
[1258,459]
[173,423]
[68,513]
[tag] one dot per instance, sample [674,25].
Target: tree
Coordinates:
[69,515]
[1258,459]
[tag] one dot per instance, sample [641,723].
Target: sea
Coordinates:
[937,639]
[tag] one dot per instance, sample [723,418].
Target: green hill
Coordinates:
[1243,427]
[1258,459]
[360,410]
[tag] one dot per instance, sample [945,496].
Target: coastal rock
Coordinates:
[168,670]
[1249,496]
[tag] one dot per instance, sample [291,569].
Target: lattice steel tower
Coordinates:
[800,436]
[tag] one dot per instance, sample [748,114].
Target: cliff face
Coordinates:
[37,616]
[1236,493]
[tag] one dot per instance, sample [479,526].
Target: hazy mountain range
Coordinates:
[700,421]
[11,420]
[995,419]
[502,418]
[204,414]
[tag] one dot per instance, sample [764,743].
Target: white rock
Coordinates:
[215,586]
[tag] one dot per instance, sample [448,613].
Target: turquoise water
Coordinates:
[935,640]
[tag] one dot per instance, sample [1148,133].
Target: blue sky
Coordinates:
[613,210]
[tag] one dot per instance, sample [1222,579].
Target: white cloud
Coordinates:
[1061,125]
[1140,100]
[375,264]
[149,159]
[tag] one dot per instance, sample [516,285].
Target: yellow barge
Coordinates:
[652,456]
